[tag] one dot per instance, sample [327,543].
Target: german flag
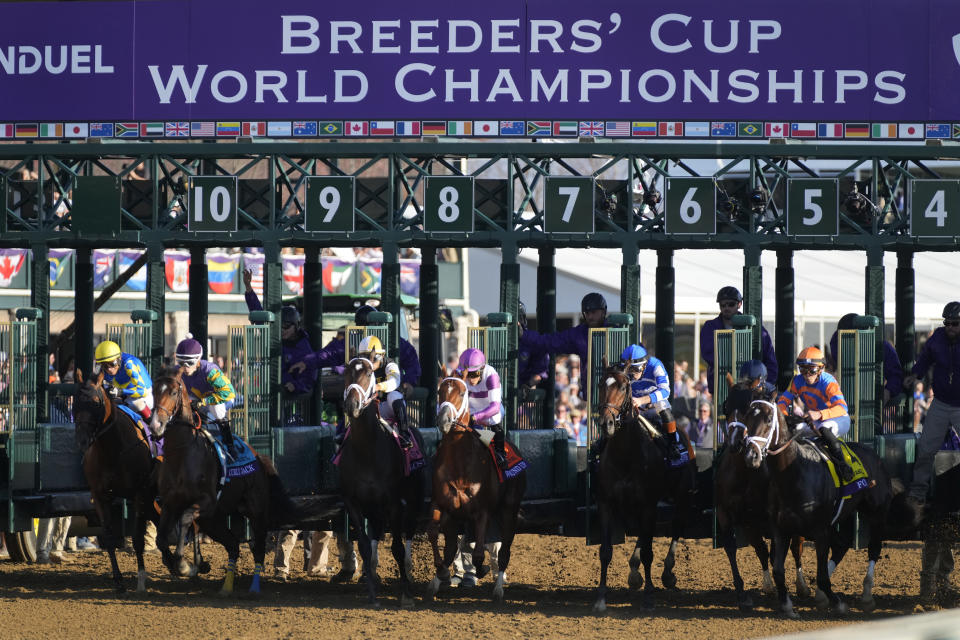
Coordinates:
[858,130]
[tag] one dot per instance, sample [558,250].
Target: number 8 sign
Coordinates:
[329,204]
[448,204]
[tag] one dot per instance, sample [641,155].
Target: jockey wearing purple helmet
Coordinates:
[485,397]
[208,386]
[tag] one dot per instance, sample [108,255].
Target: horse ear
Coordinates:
[80,376]
[604,362]
[98,379]
[730,381]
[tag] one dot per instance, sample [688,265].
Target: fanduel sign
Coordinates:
[875,60]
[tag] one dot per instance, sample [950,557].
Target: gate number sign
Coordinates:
[448,204]
[935,208]
[568,205]
[813,208]
[330,204]
[213,203]
[690,206]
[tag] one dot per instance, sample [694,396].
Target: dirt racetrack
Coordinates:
[550,594]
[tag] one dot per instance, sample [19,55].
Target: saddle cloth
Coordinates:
[243,465]
[156,448]
[515,462]
[859,481]
[413,457]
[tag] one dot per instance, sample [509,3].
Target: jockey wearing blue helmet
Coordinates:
[754,370]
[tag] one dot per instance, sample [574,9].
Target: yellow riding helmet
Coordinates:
[107,351]
[371,344]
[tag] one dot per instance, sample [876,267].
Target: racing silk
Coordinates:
[824,395]
[132,379]
[530,363]
[892,371]
[573,340]
[333,355]
[654,383]
[293,351]
[209,384]
[486,397]
[769,356]
[388,377]
[944,357]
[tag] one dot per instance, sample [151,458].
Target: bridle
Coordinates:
[762,443]
[618,410]
[366,395]
[106,423]
[178,390]
[458,412]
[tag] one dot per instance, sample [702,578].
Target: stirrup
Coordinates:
[405,439]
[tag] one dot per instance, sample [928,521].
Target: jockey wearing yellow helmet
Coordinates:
[388,383]
[126,376]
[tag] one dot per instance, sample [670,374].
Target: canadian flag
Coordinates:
[357,128]
[775,129]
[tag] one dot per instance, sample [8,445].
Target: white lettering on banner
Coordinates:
[340,75]
[27,59]
[859,82]
[538,82]
[752,92]
[417,37]
[264,85]
[454,28]
[219,95]
[302,97]
[759,30]
[291,33]
[586,83]
[545,30]
[452,84]
[899,93]
[690,78]
[177,78]
[336,37]
[500,36]
[504,85]
[381,36]
[796,86]
[401,89]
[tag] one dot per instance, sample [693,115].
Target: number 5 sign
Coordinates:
[448,204]
[691,206]
[213,203]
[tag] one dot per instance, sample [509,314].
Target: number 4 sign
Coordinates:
[935,208]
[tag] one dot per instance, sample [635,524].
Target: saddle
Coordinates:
[861,479]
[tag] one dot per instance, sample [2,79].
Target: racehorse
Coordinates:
[372,479]
[631,479]
[117,464]
[803,500]
[741,497]
[189,484]
[466,488]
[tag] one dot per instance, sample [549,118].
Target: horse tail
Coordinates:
[903,515]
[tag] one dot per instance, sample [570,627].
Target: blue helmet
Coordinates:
[753,369]
[634,354]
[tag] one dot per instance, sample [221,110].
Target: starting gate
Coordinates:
[857,375]
[731,347]
[135,337]
[18,403]
[248,364]
[604,347]
[492,341]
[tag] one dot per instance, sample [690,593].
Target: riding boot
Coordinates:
[226,434]
[403,429]
[499,448]
[836,452]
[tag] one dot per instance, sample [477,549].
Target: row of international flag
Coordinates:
[479,128]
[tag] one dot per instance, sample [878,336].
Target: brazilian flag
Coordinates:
[750,130]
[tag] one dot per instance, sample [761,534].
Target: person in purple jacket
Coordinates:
[892,371]
[532,364]
[294,341]
[730,301]
[941,353]
[593,310]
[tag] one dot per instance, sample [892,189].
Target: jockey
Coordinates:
[650,391]
[823,403]
[593,310]
[125,375]
[486,405]
[753,371]
[388,382]
[209,387]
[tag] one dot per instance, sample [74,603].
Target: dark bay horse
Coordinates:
[466,488]
[632,477]
[804,501]
[117,464]
[741,497]
[189,482]
[372,479]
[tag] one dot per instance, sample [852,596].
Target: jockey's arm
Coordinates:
[410,363]
[495,398]
[222,388]
[391,381]
[139,381]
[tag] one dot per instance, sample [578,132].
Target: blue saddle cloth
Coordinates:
[243,465]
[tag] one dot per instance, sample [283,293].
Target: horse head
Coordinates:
[765,431]
[453,406]
[739,397]
[360,386]
[92,409]
[170,400]
[615,400]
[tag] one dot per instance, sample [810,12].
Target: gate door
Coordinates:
[249,371]
[18,405]
[135,337]
[731,348]
[857,375]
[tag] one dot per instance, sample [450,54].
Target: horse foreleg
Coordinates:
[779,574]
[796,548]
[366,553]
[480,523]
[648,522]
[109,539]
[867,603]
[822,542]
[139,531]
[606,554]
[728,539]
[433,533]
[186,521]
[259,548]
[500,552]
[398,548]
[668,577]
[763,552]
[163,534]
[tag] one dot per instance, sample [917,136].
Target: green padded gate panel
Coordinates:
[249,370]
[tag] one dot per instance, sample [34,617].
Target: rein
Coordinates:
[624,407]
[366,395]
[762,443]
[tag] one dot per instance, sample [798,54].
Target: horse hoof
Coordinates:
[745,603]
[433,587]
[375,605]
[204,567]
[803,591]
[406,602]
[821,600]
[482,570]
[840,608]
[669,580]
[600,606]
[789,613]
[635,580]
[498,595]
[868,605]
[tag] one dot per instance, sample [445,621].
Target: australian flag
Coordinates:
[723,129]
[304,128]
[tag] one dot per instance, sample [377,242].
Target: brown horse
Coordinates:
[189,484]
[741,497]
[466,488]
[117,464]
[632,477]
[375,490]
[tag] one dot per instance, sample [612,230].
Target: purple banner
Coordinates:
[176,61]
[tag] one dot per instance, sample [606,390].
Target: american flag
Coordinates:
[592,128]
[202,129]
[618,128]
[177,129]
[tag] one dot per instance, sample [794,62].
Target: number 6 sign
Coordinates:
[690,206]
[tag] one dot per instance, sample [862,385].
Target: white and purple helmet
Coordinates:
[472,360]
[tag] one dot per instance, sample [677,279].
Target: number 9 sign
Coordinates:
[329,206]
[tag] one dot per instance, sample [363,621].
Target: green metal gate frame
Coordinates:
[135,337]
[857,375]
[250,371]
[19,340]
